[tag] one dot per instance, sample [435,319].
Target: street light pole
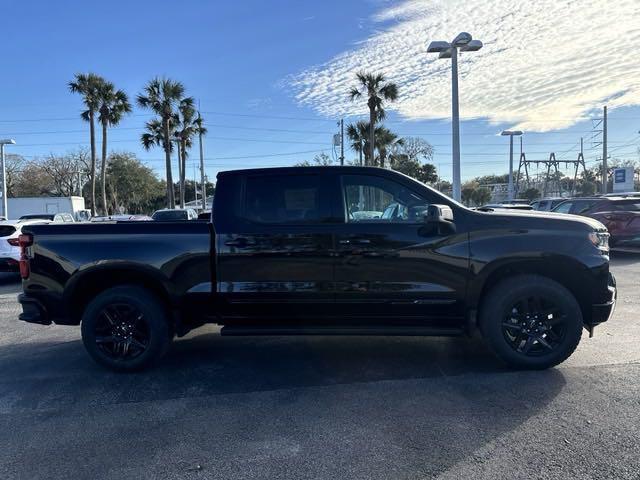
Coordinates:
[465,43]
[455,126]
[511,134]
[8,141]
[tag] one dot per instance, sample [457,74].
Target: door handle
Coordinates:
[238,242]
[355,241]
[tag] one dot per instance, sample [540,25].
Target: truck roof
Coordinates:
[318,168]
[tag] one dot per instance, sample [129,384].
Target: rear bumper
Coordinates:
[33,311]
[601,312]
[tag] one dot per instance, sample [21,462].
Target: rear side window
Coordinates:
[581,206]
[563,207]
[284,199]
[626,206]
[6,230]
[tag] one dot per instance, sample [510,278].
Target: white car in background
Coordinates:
[10,230]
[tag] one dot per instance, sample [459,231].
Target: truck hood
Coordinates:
[529,218]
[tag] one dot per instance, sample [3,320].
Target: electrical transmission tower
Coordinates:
[551,183]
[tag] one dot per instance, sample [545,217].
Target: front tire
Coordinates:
[531,321]
[126,328]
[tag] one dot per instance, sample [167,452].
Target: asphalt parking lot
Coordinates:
[321,407]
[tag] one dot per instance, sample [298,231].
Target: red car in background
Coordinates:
[621,216]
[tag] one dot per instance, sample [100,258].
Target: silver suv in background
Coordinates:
[547,204]
[174,214]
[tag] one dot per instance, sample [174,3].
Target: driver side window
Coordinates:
[372,199]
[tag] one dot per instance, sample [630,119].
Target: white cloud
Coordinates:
[545,63]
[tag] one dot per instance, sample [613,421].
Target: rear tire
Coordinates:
[531,321]
[126,328]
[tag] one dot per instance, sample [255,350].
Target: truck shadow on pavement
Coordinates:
[344,407]
[208,364]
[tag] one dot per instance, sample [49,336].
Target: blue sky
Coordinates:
[272,77]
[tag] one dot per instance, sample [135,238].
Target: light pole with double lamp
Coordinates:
[511,134]
[7,141]
[465,43]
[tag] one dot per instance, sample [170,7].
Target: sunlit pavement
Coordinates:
[320,407]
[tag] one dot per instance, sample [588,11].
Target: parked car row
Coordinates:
[619,212]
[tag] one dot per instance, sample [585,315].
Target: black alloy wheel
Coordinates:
[126,328]
[121,331]
[531,321]
[534,325]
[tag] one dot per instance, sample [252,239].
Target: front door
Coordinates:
[391,266]
[275,258]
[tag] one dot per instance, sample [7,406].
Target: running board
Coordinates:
[232,330]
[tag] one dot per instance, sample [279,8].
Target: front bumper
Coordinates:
[601,312]
[33,311]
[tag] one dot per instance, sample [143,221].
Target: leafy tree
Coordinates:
[587,188]
[467,191]
[14,164]
[480,196]
[88,85]
[377,92]
[425,173]
[162,96]
[114,104]
[133,187]
[415,149]
[189,189]
[531,194]
[321,160]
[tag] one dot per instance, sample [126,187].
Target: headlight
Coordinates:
[600,240]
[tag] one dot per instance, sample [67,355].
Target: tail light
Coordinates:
[14,242]
[24,241]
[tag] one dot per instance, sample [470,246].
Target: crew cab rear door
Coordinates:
[275,253]
[390,265]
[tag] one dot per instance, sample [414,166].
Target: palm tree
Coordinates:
[187,126]
[358,133]
[377,91]
[385,140]
[162,96]
[88,85]
[114,104]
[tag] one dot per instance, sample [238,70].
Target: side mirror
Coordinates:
[440,218]
[439,214]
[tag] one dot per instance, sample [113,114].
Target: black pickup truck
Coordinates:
[323,251]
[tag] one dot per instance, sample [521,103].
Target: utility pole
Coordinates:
[342,142]
[604,152]
[202,182]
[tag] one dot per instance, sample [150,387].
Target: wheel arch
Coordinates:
[567,271]
[86,284]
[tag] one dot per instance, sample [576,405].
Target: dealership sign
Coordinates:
[623,179]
